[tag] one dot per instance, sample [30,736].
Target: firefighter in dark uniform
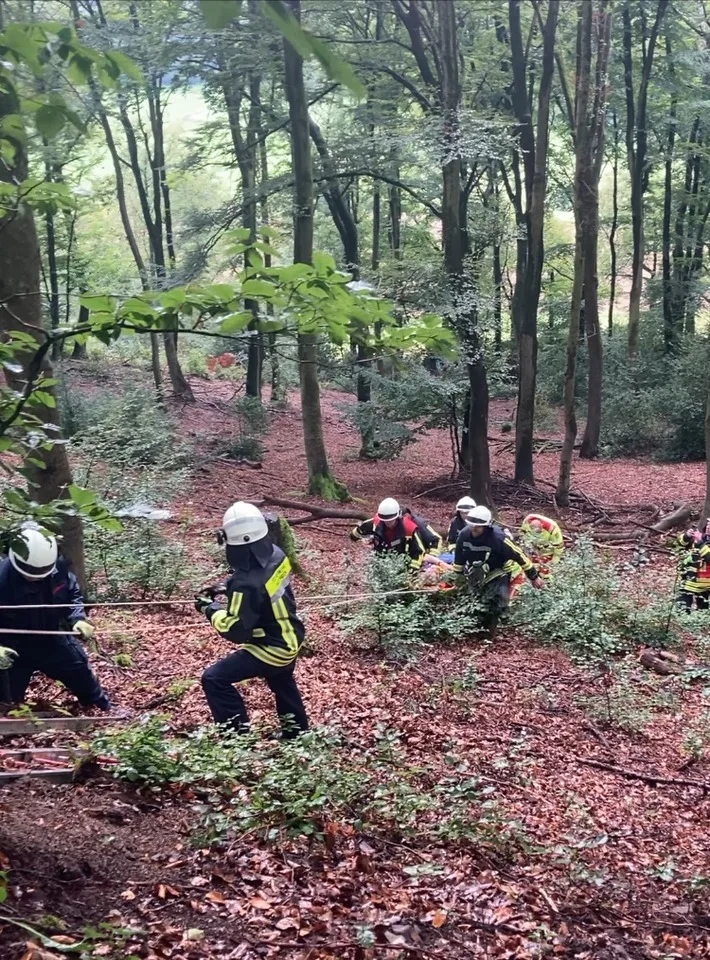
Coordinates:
[392,532]
[458,522]
[260,616]
[34,573]
[431,539]
[486,556]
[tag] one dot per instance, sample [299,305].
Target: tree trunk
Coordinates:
[590,441]
[535,149]
[128,228]
[278,388]
[706,505]
[669,330]
[52,266]
[21,310]
[614,226]
[637,143]
[497,298]
[320,480]
[582,183]
[464,312]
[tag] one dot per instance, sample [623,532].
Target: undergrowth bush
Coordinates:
[138,562]
[653,406]
[300,787]
[126,448]
[253,422]
[401,626]
[588,607]
[407,405]
[629,698]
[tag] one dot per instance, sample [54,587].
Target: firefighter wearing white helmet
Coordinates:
[392,531]
[260,616]
[486,555]
[34,575]
[458,521]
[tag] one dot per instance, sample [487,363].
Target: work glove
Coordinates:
[202,603]
[85,630]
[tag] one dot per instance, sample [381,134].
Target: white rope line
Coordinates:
[163,603]
[334,602]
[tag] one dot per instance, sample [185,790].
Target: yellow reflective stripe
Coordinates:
[524,560]
[417,561]
[287,631]
[270,655]
[258,632]
[224,620]
[277,578]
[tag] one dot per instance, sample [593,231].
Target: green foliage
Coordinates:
[139,563]
[407,405]
[253,420]
[403,625]
[697,737]
[127,446]
[218,13]
[297,787]
[588,607]
[628,699]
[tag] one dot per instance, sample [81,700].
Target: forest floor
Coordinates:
[602,866]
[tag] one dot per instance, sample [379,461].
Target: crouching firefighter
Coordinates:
[260,616]
[390,530]
[485,555]
[34,574]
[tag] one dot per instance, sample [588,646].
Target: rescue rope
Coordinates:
[335,601]
[168,603]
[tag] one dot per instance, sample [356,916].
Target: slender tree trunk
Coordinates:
[706,505]
[669,332]
[535,150]
[21,310]
[582,183]
[53,279]
[464,314]
[637,143]
[614,226]
[497,298]
[592,430]
[278,388]
[320,480]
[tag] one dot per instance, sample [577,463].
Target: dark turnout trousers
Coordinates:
[226,702]
[61,658]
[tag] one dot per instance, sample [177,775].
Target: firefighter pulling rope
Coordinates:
[43,614]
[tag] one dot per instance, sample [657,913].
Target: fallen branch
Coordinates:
[649,778]
[316,512]
[677,518]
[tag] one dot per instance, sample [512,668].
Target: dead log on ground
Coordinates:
[649,778]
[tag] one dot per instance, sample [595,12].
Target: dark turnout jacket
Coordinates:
[60,588]
[494,551]
[261,611]
[402,537]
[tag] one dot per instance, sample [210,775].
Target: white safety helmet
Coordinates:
[389,509]
[465,504]
[39,558]
[480,516]
[243,523]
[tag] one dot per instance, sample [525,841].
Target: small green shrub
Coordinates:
[405,406]
[298,787]
[126,448]
[588,608]
[628,700]
[253,422]
[402,625]
[137,563]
